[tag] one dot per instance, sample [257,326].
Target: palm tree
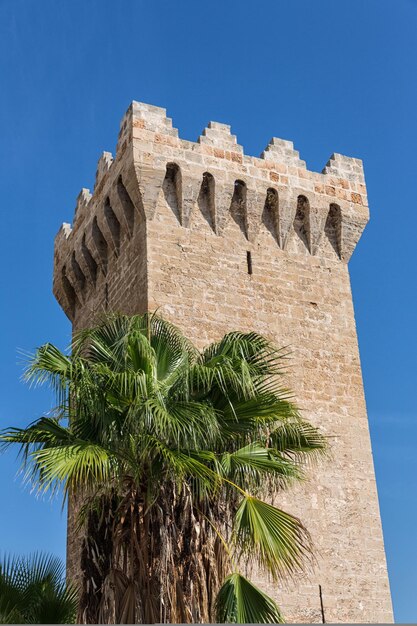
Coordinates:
[172,452]
[33,591]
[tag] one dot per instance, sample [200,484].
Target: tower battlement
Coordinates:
[150,154]
[216,241]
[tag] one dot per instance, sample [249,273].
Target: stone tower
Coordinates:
[219,241]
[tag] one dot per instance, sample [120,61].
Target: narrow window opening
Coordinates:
[249,262]
[323,619]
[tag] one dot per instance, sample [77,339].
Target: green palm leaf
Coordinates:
[240,602]
[278,540]
[33,591]
[254,463]
[298,439]
[78,465]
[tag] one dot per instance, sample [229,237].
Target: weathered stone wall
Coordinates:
[217,241]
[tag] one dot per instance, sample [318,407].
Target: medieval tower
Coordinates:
[220,241]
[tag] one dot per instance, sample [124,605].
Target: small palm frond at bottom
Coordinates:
[240,602]
[33,590]
[52,604]
[11,597]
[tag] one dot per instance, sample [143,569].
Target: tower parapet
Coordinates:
[150,153]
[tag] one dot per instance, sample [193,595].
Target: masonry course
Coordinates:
[217,240]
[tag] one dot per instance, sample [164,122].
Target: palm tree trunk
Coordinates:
[96,555]
[158,564]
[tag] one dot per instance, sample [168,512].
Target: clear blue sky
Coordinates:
[333,76]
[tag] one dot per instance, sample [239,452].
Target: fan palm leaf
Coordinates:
[33,591]
[240,602]
[276,539]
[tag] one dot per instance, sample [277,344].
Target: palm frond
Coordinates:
[76,466]
[47,362]
[182,464]
[276,539]
[11,593]
[33,590]
[172,349]
[240,602]
[298,439]
[254,464]
[260,353]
